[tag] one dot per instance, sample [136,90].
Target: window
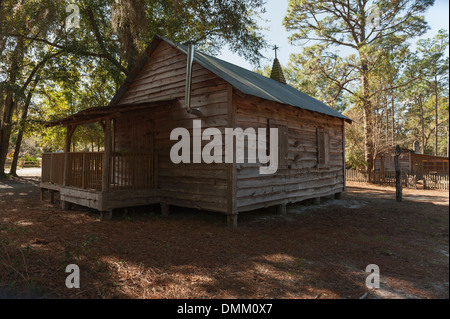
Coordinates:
[323,148]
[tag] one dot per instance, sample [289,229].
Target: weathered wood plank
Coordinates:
[231,169]
[249,204]
[305,179]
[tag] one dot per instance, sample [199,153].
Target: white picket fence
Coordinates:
[435,181]
[430,181]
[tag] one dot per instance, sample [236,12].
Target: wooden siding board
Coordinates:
[305,179]
[199,186]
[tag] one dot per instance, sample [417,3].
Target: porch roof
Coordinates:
[97,113]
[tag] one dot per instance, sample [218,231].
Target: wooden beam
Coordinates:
[107,156]
[51,168]
[69,133]
[87,119]
[102,124]
[99,113]
[83,171]
[343,154]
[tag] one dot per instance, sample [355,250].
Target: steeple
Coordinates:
[277,71]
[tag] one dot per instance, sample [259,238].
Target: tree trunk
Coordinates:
[398,180]
[422,124]
[448,140]
[13,170]
[368,135]
[10,103]
[393,120]
[436,116]
[386,133]
[368,116]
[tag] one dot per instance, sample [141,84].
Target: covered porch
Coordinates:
[131,179]
[100,180]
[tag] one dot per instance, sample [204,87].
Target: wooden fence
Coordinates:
[436,181]
[353,175]
[84,170]
[429,181]
[53,168]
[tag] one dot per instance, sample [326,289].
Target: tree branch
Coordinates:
[37,67]
[100,41]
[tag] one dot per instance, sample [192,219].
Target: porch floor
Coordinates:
[103,201]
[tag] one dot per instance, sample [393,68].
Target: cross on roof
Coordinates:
[275,48]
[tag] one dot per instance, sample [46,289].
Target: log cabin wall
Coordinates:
[389,165]
[202,186]
[413,163]
[423,164]
[314,171]
[313,148]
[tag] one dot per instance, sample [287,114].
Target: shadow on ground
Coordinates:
[312,252]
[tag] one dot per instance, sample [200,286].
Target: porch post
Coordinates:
[70,129]
[107,156]
[69,133]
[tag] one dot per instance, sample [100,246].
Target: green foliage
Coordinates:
[428,95]
[354,141]
[29,158]
[302,73]
[376,76]
[64,70]
[364,65]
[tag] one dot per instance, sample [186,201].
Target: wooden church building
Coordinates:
[174,86]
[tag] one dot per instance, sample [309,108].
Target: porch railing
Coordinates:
[53,168]
[133,171]
[430,181]
[85,169]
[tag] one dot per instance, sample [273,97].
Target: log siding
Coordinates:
[202,186]
[307,174]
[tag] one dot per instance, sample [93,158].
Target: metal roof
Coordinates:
[246,81]
[252,83]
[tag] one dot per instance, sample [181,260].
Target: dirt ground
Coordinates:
[315,251]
